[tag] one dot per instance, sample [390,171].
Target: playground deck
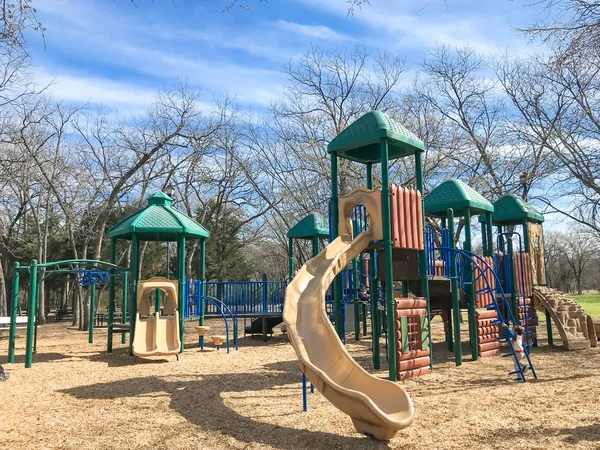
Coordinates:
[77,396]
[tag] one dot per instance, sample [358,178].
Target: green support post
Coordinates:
[473,332]
[549,327]
[356,303]
[337,282]
[202,278]
[454,288]
[181,279]
[389,270]
[92,310]
[514,303]
[14,306]
[484,242]
[157,301]
[111,296]
[526,244]
[423,258]
[375,326]
[124,308]
[33,291]
[488,232]
[449,333]
[364,307]
[291,259]
[135,275]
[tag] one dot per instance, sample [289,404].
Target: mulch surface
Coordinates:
[78,396]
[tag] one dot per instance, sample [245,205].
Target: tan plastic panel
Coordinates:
[371,199]
[158,335]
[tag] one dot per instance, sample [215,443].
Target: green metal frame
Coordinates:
[55,267]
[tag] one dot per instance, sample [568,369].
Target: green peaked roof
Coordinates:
[360,140]
[158,221]
[457,195]
[512,209]
[312,225]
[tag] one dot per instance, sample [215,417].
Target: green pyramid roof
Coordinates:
[360,140]
[312,225]
[158,221]
[512,209]
[457,195]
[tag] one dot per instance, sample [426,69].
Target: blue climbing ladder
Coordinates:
[499,303]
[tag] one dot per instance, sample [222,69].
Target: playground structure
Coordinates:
[496,288]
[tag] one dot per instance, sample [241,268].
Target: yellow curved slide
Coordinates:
[377,407]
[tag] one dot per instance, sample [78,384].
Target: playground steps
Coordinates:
[575,326]
[411,334]
[488,333]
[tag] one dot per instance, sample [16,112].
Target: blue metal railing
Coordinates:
[241,297]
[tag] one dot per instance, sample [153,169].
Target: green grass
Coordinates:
[590,301]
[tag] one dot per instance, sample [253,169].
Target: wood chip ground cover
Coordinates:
[78,396]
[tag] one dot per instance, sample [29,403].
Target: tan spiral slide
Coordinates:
[377,407]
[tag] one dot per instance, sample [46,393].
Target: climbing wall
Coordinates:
[411,336]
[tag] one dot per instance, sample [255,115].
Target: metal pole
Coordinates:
[290,259]
[92,310]
[356,302]
[135,276]
[337,282]
[549,327]
[124,308]
[181,279]
[470,290]
[513,288]
[111,296]
[375,327]
[202,292]
[454,288]
[389,270]
[488,231]
[423,258]
[168,259]
[31,313]
[14,306]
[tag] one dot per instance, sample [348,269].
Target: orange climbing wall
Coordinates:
[407,218]
[411,321]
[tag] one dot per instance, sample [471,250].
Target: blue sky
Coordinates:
[118,54]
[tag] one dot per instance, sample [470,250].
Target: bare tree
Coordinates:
[576,25]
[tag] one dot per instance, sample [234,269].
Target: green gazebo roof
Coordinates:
[360,140]
[457,195]
[158,221]
[512,209]
[312,225]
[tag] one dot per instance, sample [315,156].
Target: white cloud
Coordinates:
[320,32]
[423,27]
[84,89]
